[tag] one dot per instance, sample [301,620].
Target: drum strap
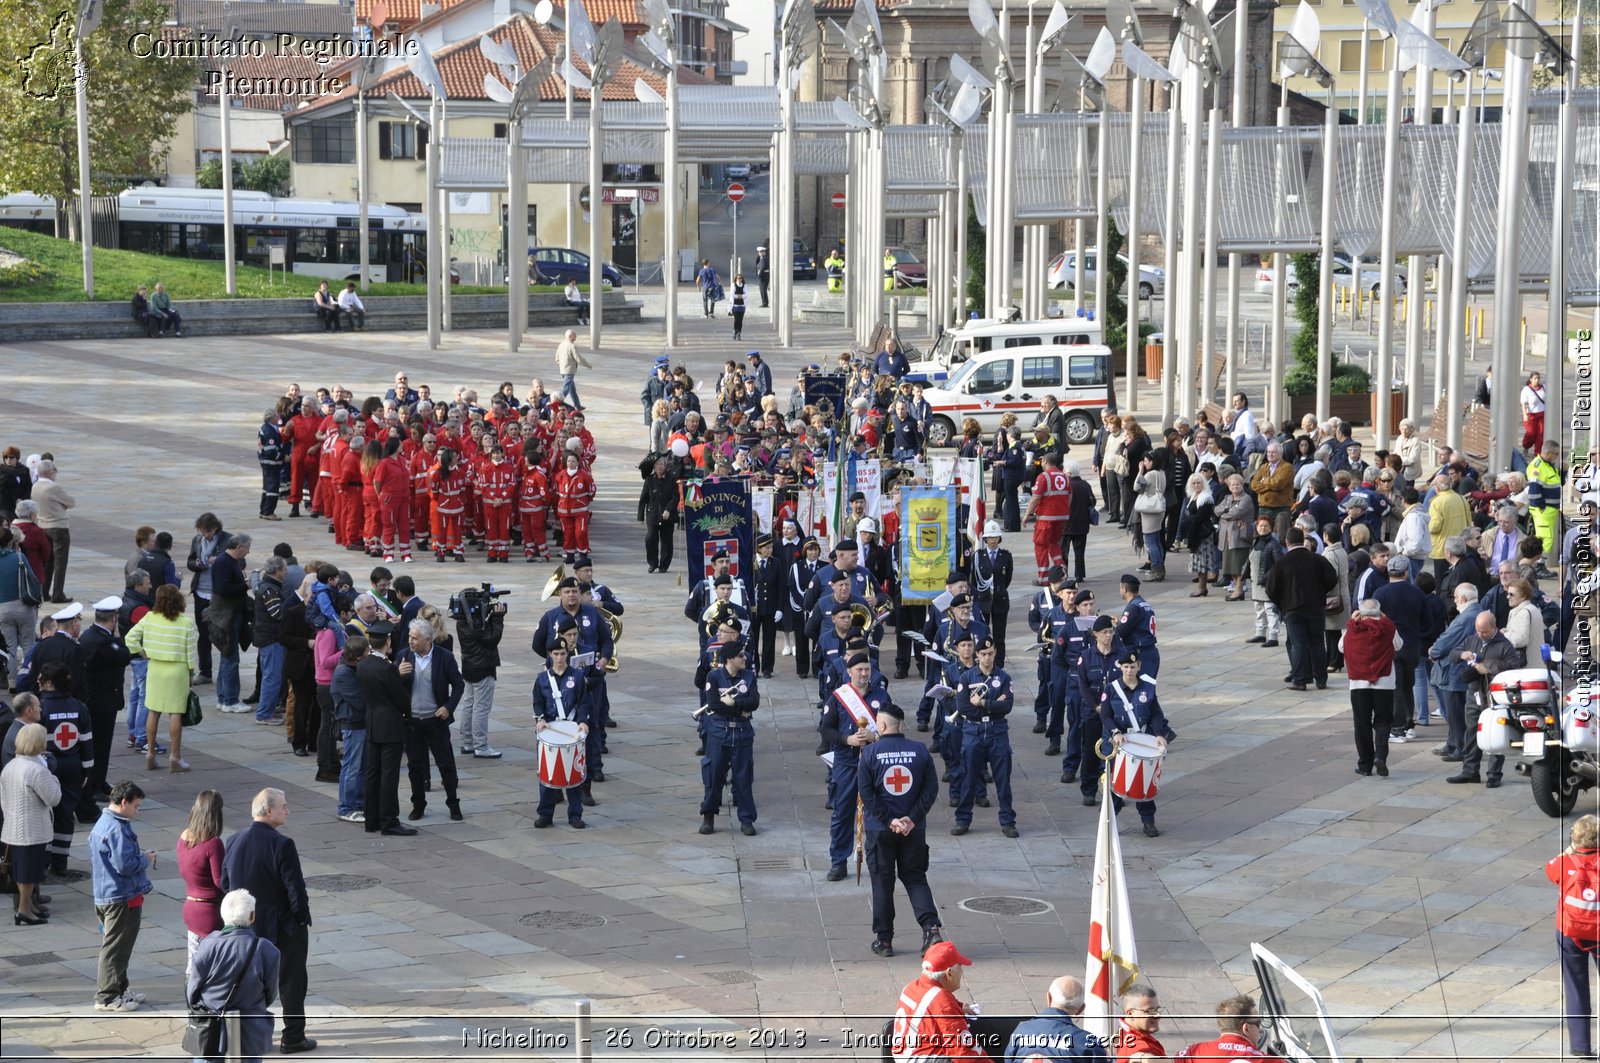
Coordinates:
[555,696]
[1138,724]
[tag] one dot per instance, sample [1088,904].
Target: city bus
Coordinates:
[319,238]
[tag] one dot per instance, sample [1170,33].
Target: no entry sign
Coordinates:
[838,200]
[736,191]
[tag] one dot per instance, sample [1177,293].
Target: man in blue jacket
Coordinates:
[1052,1034]
[121,879]
[236,955]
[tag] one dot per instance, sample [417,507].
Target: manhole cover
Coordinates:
[731,977]
[1013,906]
[33,959]
[768,863]
[341,883]
[562,920]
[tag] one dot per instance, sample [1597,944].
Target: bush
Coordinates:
[24,273]
[1347,379]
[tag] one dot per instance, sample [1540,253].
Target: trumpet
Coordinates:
[615,624]
[550,584]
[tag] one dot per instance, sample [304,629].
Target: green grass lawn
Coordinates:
[54,273]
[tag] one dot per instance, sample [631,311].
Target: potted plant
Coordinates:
[1350,385]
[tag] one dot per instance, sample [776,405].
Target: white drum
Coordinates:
[1520,686]
[1497,727]
[1136,769]
[563,756]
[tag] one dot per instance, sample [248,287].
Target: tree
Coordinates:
[977,283]
[1346,378]
[269,174]
[134,101]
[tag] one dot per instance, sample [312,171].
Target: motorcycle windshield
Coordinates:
[1296,1023]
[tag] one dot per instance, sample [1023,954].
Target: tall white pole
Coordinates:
[597,293]
[1241,60]
[1455,323]
[1080,268]
[1208,284]
[363,229]
[230,251]
[1416,289]
[436,144]
[573,206]
[1560,227]
[669,209]
[1273,399]
[782,255]
[516,230]
[1504,435]
[1193,97]
[1361,90]
[1008,176]
[1444,312]
[86,185]
[1384,374]
[1330,165]
[437,273]
[1168,317]
[1102,222]
[960,309]
[1130,385]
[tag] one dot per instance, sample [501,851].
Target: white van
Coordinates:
[979,335]
[1016,380]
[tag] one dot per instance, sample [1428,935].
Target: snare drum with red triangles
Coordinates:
[563,759]
[1136,769]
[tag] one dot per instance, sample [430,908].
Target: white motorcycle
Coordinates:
[1557,748]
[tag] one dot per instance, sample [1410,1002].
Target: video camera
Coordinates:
[473,604]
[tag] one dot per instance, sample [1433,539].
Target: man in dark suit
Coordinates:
[105,663]
[264,861]
[388,714]
[434,686]
[1080,506]
[1487,652]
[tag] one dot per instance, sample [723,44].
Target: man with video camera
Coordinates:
[480,621]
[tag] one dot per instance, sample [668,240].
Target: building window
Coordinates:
[330,140]
[501,130]
[401,140]
[1350,55]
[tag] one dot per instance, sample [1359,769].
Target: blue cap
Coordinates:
[752,354]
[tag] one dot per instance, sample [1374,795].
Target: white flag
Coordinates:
[1113,961]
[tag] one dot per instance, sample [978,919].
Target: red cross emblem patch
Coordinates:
[897,780]
[65,736]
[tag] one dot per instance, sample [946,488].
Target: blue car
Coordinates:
[805,263]
[557,265]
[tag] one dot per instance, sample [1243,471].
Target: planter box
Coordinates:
[1352,409]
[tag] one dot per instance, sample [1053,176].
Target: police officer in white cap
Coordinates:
[61,647]
[105,663]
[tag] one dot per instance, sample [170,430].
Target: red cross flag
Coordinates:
[65,736]
[1113,960]
[897,780]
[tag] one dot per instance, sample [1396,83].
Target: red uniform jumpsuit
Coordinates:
[1053,490]
[533,500]
[448,490]
[392,482]
[347,479]
[325,499]
[930,1022]
[371,511]
[574,492]
[497,490]
[421,462]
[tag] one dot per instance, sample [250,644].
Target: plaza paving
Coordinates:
[1419,909]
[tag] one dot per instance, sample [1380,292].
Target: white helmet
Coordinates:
[867,526]
[991,530]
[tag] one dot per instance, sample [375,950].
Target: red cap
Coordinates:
[943,956]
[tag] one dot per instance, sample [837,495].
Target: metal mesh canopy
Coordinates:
[1270,185]
[1153,173]
[1056,167]
[1358,189]
[821,155]
[1583,232]
[918,159]
[473,164]
[914,206]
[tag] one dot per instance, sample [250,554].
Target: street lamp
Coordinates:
[799,39]
[994,34]
[364,74]
[1297,57]
[602,51]
[1202,64]
[958,105]
[438,273]
[521,95]
[866,117]
[661,43]
[89,13]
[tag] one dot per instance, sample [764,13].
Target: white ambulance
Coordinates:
[986,334]
[991,384]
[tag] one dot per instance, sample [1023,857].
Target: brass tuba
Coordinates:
[615,624]
[550,584]
[861,617]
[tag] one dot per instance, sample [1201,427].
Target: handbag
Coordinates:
[192,716]
[1149,503]
[1118,463]
[1094,517]
[1333,604]
[28,588]
[202,1034]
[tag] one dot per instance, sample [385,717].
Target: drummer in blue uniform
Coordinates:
[731,697]
[1070,626]
[1136,628]
[985,700]
[1129,706]
[560,693]
[848,725]
[898,787]
[1096,667]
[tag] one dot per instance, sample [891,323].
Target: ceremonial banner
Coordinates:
[717,516]
[841,480]
[927,552]
[1113,960]
[808,511]
[826,391]
[761,509]
[966,475]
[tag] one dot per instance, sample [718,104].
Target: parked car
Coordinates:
[909,271]
[1064,273]
[805,261]
[1371,277]
[557,265]
[736,171]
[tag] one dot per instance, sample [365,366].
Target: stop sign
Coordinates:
[736,191]
[838,200]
